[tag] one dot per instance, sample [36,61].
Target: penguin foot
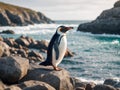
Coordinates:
[57,68]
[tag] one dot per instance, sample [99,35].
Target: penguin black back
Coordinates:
[48,60]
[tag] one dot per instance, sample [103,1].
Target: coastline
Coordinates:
[32,68]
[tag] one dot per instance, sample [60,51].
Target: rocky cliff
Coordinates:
[108,22]
[11,15]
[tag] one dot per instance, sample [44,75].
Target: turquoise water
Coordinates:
[97,57]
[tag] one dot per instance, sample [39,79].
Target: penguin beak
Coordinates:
[69,28]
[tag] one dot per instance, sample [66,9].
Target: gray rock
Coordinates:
[117,85]
[2,86]
[1,39]
[22,53]
[4,49]
[80,88]
[68,53]
[13,87]
[35,85]
[103,87]
[90,86]
[4,20]
[117,4]
[111,82]
[10,41]
[108,22]
[22,41]
[13,68]
[35,54]
[60,80]
[43,44]
[8,32]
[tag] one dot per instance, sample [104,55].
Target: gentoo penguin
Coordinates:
[57,47]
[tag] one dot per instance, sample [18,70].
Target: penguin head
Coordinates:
[63,29]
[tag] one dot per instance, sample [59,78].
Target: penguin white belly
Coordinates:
[62,49]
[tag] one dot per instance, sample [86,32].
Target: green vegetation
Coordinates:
[13,8]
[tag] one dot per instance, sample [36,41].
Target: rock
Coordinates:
[10,41]
[13,87]
[111,82]
[117,85]
[13,68]
[68,53]
[43,44]
[4,48]
[90,86]
[117,4]
[84,85]
[1,39]
[108,22]
[60,80]
[22,41]
[36,55]
[11,15]
[8,32]
[4,20]
[80,88]
[78,83]
[2,86]
[22,53]
[30,40]
[35,85]
[1,51]
[103,87]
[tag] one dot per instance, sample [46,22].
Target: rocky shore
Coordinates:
[11,15]
[19,69]
[108,22]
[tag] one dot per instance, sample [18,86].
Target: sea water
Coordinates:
[97,56]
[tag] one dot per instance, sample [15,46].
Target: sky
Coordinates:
[66,9]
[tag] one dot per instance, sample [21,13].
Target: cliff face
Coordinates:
[108,22]
[11,15]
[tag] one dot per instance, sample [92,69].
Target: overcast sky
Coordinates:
[66,9]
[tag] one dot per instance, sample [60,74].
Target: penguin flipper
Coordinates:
[56,50]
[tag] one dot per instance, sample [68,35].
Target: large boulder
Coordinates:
[108,22]
[111,82]
[4,49]
[35,85]
[13,68]
[60,80]
[103,87]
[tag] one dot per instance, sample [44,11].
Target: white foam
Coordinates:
[91,80]
[115,42]
[34,29]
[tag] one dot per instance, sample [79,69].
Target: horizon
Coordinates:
[66,10]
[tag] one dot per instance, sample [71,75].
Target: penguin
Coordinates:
[57,48]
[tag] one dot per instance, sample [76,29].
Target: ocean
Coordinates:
[97,56]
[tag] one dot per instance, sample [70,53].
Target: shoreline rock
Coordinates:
[7,32]
[108,22]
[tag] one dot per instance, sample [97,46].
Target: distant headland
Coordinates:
[11,15]
[108,22]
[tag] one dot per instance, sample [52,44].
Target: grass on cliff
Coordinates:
[13,8]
